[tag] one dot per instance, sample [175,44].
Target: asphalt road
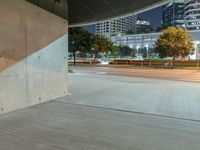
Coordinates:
[189,75]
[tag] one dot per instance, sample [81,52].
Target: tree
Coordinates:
[144,53]
[158,29]
[79,40]
[147,29]
[174,42]
[124,51]
[102,45]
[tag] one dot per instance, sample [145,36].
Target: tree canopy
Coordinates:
[79,40]
[174,42]
[124,51]
[102,45]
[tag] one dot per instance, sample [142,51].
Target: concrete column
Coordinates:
[33,55]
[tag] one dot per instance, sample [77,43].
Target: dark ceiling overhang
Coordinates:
[90,11]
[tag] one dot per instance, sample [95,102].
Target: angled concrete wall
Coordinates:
[33,55]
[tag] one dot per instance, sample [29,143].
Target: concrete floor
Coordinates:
[153,96]
[109,113]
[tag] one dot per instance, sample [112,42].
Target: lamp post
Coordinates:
[137,47]
[93,55]
[92,49]
[147,49]
[74,52]
[131,46]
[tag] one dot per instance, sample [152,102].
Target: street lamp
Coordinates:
[137,47]
[74,52]
[92,49]
[147,49]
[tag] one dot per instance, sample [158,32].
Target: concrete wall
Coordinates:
[33,55]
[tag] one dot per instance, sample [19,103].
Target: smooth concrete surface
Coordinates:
[89,120]
[93,11]
[33,55]
[62,126]
[80,13]
[153,96]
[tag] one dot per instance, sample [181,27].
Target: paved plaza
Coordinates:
[109,112]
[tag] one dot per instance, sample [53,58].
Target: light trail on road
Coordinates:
[186,75]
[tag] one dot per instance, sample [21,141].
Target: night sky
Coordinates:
[154,16]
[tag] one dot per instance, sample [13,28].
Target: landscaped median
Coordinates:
[156,63]
[84,62]
[144,63]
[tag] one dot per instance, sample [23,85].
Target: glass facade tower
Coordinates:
[173,14]
[192,14]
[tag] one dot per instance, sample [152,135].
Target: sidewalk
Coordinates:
[61,126]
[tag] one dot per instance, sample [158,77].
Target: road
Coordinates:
[190,75]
